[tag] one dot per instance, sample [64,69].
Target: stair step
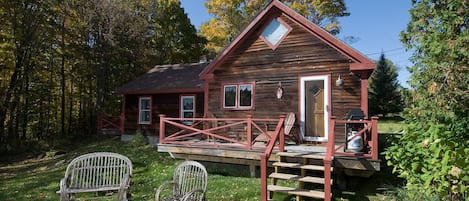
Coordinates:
[302,155]
[296,191]
[300,166]
[292,177]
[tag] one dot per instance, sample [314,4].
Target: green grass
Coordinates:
[38,178]
[391,125]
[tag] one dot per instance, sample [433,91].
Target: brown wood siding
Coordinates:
[167,104]
[300,54]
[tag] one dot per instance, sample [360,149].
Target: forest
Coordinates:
[60,61]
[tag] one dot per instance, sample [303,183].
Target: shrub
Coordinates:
[139,140]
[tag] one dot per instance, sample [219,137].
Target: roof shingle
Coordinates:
[166,79]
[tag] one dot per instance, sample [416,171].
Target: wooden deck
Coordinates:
[252,157]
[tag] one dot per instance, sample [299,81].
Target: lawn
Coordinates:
[36,177]
[391,125]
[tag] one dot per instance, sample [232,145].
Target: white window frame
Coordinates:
[182,110]
[142,110]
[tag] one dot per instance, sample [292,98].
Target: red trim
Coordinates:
[122,126]
[151,102]
[237,84]
[360,61]
[272,46]
[206,95]
[364,96]
[165,91]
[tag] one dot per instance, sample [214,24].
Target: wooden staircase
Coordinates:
[305,169]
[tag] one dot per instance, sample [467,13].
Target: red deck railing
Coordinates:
[219,132]
[109,123]
[370,136]
[203,131]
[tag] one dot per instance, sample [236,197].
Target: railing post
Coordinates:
[249,130]
[162,127]
[328,160]
[374,138]
[327,180]
[281,145]
[263,177]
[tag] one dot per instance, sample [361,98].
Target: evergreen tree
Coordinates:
[384,95]
[172,38]
[432,155]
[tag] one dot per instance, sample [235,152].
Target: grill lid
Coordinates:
[355,114]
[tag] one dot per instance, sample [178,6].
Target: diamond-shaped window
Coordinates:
[274,33]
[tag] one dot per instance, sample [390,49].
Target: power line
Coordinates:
[385,51]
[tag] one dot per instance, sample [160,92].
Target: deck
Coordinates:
[249,141]
[252,157]
[228,140]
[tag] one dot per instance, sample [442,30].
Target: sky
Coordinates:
[376,25]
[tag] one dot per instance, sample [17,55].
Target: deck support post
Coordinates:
[252,171]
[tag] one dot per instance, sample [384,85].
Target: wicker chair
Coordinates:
[97,172]
[189,183]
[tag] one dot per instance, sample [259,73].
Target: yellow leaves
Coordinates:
[231,16]
[216,33]
[433,88]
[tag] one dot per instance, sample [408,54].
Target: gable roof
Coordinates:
[358,62]
[172,78]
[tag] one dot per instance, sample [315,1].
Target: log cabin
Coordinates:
[281,68]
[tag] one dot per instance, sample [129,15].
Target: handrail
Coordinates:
[328,159]
[280,135]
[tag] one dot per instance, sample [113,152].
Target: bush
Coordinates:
[139,140]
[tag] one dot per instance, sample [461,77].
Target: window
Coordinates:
[187,108]
[238,96]
[275,32]
[144,110]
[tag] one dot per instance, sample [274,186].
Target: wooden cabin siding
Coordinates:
[299,54]
[167,104]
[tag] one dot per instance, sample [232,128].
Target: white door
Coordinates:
[314,102]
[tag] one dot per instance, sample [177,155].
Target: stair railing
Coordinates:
[328,160]
[278,136]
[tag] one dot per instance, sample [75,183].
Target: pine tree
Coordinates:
[384,95]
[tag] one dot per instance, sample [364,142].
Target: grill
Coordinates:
[356,144]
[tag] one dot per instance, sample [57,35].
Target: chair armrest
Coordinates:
[123,188]
[194,195]
[64,196]
[161,187]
